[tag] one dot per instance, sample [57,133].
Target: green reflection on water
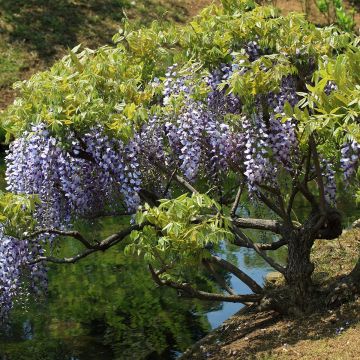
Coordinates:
[104,307]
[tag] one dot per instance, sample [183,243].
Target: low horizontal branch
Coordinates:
[274,226]
[187,290]
[262,246]
[99,246]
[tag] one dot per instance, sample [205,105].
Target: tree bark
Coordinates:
[355,274]
[299,269]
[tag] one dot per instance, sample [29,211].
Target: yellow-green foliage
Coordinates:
[180,228]
[16,213]
[113,85]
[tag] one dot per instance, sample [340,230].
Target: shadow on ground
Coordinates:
[270,336]
[49,26]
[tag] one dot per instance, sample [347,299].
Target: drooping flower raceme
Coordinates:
[205,134]
[350,156]
[70,182]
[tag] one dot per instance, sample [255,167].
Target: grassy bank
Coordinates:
[331,333]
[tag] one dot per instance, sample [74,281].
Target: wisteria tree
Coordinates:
[175,128]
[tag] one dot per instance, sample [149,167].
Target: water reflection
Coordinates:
[106,307]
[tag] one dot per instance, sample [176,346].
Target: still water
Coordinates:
[107,306]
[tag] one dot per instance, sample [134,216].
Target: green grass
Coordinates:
[34,33]
[13,61]
[49,27]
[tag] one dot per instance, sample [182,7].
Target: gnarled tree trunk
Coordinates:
[355,274]
[299,269]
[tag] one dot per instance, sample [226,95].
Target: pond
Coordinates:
[107,306]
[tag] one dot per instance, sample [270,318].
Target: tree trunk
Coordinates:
[299,270]
[355,274]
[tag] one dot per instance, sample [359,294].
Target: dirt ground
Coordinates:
[333,334]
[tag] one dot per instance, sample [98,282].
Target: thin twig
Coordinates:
[178,178]
[169,182]
[237,199]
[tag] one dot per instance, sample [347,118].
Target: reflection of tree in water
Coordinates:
[109,305]
[252,260]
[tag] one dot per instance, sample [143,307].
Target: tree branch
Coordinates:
[307,166]
[247,280]
[237,199]
[293,194]
[319,176]
[103,245]
[271,205]
[259,224]
[308,195]
[278,195]
[74,234]
[188,290]
[218,278]
[262,246]
[149,197]
[253,245]
[178,178]
[169,182]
